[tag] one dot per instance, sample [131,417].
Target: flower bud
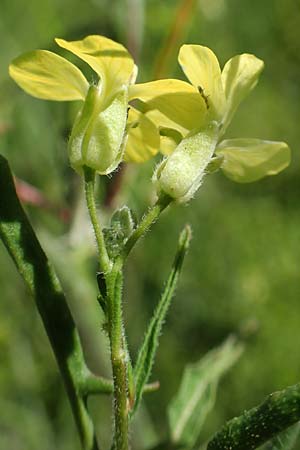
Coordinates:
[122,225]
[98,137]
[180,175]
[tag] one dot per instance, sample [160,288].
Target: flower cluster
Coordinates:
[184,121]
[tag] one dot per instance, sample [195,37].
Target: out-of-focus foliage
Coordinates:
[242,271]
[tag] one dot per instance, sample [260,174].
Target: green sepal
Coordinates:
[195,398]
[98,136]
[181,174]
[214,165]
[173,134]
[147,352]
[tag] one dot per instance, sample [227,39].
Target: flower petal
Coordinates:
[169,140]
[201,67]
[109,59]
[143,140]
[239,77]
[172,104]
[48,76]
[247,160]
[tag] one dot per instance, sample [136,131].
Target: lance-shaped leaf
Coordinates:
[196,395]
[40,278]
[286,440]
[247,160]
[146,356]
[48,76]
[258,425]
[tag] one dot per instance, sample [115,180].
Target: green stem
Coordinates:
[146,223]
[94,384]
[89,177]
[279,411]
[118,356]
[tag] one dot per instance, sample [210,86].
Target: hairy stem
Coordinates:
[89,178]
[146,223]
[118,356]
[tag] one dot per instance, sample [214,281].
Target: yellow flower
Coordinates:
[193,117]
[101,134]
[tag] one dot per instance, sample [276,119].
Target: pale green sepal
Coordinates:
[79,129]
[239,76]
[45,75]
[180,175]
[98,136]
[215,164]
[247,160]
[147,352]
[107,141]
[195,398]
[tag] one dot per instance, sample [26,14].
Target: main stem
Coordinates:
[114,282]
[118,357]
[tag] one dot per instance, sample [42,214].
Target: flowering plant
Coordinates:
[185,122]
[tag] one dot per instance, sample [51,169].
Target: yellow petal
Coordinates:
[247,160]
[169,140]
[172,104]
[48,76]
[201,67]
[143,140]
[167,145]
[109,59]
[239,77]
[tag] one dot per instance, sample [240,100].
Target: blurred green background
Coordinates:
[242,272]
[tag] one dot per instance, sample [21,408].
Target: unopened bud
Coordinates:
[181,174]
[98,137]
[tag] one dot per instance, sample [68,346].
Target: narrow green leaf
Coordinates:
[40,278]
[285,440]
[146,356]
[196,395]
[253,428]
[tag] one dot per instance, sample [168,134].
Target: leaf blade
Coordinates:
[145,360]
[285,440]
[196,395]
